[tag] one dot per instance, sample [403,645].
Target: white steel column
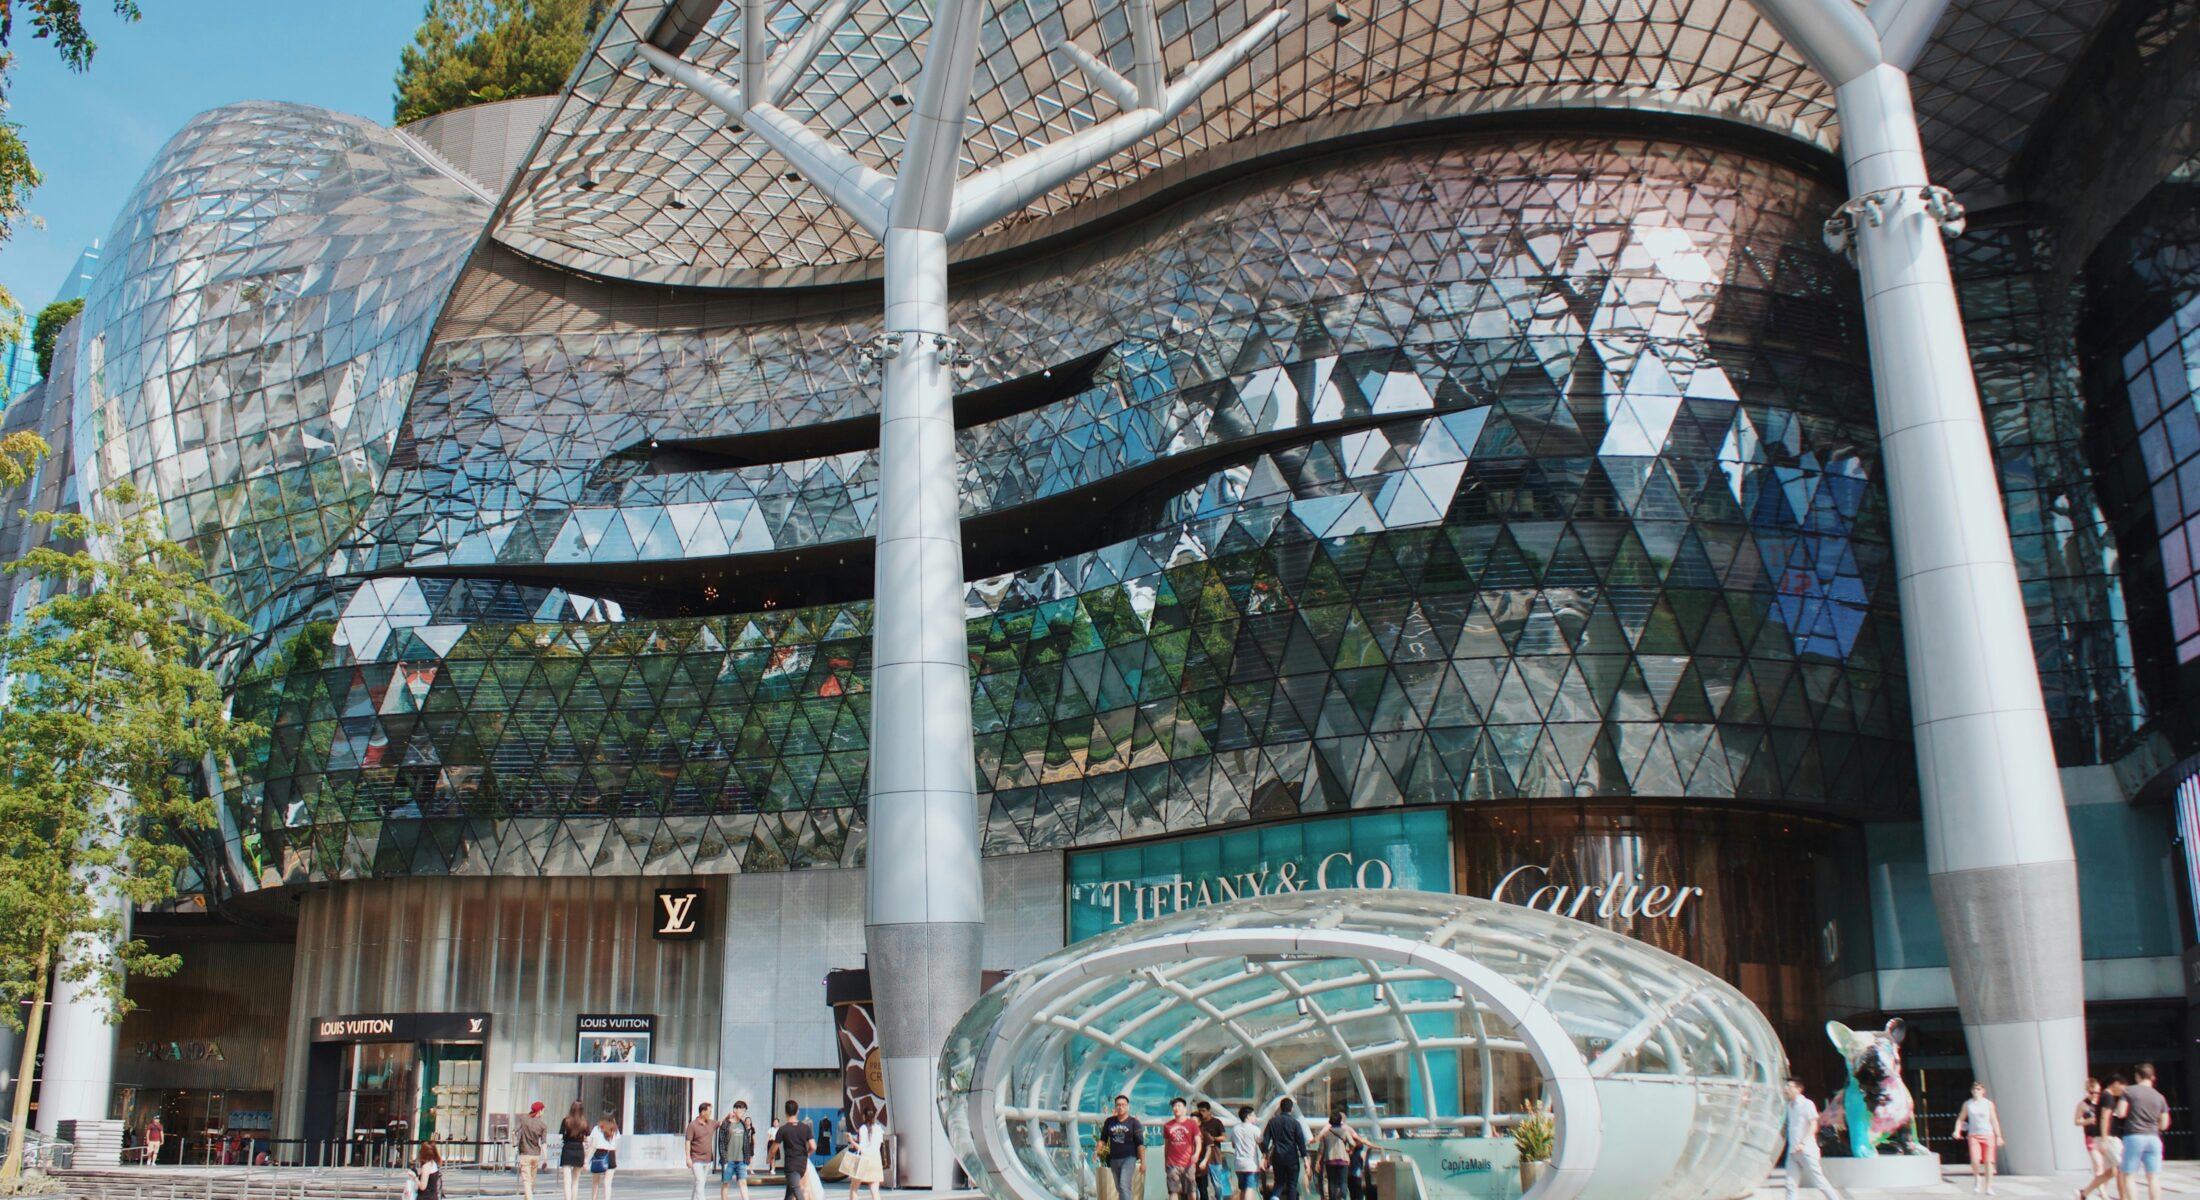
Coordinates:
[76,1075]
[1997,837]
[924,920]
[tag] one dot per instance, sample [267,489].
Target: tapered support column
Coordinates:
[78,1072]
[1997,838]
[925,918]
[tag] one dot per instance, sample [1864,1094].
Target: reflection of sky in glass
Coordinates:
[2162,379]
[1565,444]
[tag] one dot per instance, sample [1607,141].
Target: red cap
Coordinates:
[535,1108]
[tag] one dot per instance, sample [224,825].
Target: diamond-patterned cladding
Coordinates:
[1563,488]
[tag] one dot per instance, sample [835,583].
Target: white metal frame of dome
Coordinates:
[1598,1013]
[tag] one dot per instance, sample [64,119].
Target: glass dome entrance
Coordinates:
[1430,1020]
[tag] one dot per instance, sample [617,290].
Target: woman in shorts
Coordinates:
[1979,1127]
[2088,1119]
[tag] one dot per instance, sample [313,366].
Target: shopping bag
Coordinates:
[1103,1183]
[813,1188]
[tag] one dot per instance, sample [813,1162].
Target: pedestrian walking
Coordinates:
[1335,1155]
[154,1136]
[1125,1138]
[1214,1150]
[1803,1166]
[792,1142]
[868,1142]
[1284,1142]
[603,1158]
[1180,1138]
[702,1148]
[424,1179]
[1978,1126]
[572,1149]
[736,1149]
[1360,1184]
[528,1135]
[1245,1154]
[2145,1114]
[2110,1140]
[2088,1121]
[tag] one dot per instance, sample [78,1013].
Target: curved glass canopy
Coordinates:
[1430,1020]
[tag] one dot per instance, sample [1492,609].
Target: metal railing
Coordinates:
[40,1151]
[252,1150]
[1936,1132]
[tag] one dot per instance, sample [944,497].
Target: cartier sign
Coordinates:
[1621,896]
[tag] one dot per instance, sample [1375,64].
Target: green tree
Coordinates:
[47,329]
[62,23]
[474,51]
[109,707]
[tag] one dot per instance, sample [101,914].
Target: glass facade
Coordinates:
[1516,467]
[249,342]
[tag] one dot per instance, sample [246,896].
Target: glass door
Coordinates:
[450,1097]
[378,1102]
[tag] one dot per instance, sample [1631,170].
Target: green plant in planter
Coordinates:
[1536,1135]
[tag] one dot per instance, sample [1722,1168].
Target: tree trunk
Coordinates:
[12,1169]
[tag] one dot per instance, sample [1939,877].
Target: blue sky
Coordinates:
[93,134]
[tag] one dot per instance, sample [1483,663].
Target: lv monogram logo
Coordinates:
[679,913]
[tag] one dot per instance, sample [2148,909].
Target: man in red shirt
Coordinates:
[1180,1136]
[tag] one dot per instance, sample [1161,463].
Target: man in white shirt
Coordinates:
[1245,1154]
[1803,1169]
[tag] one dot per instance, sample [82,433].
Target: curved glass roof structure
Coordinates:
[637,178]
[1423,1016]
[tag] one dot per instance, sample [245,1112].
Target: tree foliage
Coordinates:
[47,330]
[62,23]
[474,51]
[109,709]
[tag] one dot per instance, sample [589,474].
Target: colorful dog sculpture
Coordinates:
[1875,1109]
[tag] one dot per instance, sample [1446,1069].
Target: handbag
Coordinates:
[603,1160]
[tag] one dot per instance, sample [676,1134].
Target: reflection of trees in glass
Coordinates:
[475,51]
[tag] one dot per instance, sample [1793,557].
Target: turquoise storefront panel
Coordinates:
[1121,885]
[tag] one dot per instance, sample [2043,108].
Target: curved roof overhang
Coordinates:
[637,178]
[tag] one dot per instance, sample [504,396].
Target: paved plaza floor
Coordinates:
[2182,1180]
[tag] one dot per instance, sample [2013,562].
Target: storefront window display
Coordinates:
[1750,897]
[376,1084]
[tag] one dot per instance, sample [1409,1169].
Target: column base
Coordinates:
[924,976]
[927,1158]
[2034,1070]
